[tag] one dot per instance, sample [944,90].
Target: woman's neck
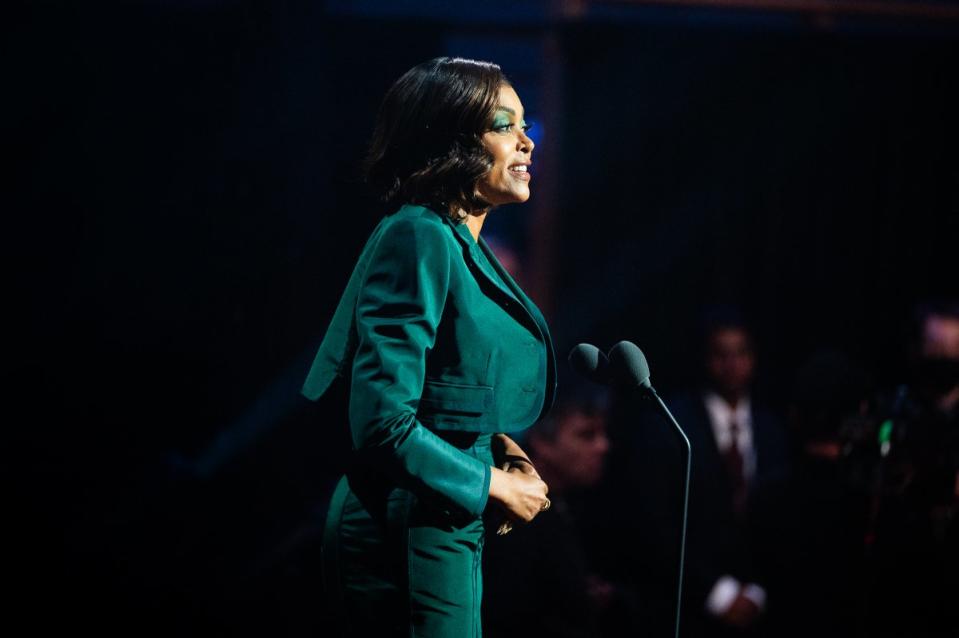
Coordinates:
[474,221]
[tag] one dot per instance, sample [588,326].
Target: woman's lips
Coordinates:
[520,172]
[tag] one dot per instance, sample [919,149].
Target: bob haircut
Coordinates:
[427,143]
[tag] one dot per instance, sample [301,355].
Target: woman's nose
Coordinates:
[525,143]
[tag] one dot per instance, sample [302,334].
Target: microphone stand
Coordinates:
[682,540]
[626,363]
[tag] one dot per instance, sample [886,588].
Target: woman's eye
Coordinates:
[509,126]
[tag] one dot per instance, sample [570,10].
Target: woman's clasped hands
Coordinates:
[515,485]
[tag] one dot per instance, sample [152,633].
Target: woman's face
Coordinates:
[508,180]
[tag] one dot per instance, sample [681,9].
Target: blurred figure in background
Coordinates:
[872,533]
[936,361]
[912,551]
[739,462]
[738,476]
[538,579]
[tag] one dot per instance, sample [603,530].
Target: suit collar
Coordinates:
[484,265]
[482,258]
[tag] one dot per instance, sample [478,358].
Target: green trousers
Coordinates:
[398,565]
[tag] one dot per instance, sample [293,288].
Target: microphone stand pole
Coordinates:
[682,540]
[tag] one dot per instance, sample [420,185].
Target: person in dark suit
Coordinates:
[442,355]
[739,459]
[739,474]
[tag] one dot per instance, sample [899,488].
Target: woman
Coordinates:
[443,354]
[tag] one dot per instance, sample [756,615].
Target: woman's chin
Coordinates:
[520,196]
[514,196]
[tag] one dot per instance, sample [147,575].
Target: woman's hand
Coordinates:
[509,456]
[520,494]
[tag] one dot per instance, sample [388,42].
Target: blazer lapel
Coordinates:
[513,288]
[511,297]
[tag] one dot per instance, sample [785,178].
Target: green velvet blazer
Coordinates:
[433,334]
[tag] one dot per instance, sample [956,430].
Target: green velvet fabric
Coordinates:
[396,565]
[434,335]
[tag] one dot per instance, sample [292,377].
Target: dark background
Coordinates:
[184,207]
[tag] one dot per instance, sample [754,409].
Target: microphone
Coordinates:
[627,368]
[589,361]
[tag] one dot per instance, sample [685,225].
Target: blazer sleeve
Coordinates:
[398,309]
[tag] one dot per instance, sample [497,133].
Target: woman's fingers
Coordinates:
[522,495]
[522,466]
[532,495]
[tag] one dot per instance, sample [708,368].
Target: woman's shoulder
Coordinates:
[416,222]
[417,232]
[416,216]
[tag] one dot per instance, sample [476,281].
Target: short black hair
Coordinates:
[427,143]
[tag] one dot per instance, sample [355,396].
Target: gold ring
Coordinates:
[546,505]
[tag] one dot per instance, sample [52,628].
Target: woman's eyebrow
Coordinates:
[507,109]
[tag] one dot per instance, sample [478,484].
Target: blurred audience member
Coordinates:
[739,462]
[873,535]
[538,581]
[912,586]
[936,360]
[739,467]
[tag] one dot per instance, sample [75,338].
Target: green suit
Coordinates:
[441,349]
